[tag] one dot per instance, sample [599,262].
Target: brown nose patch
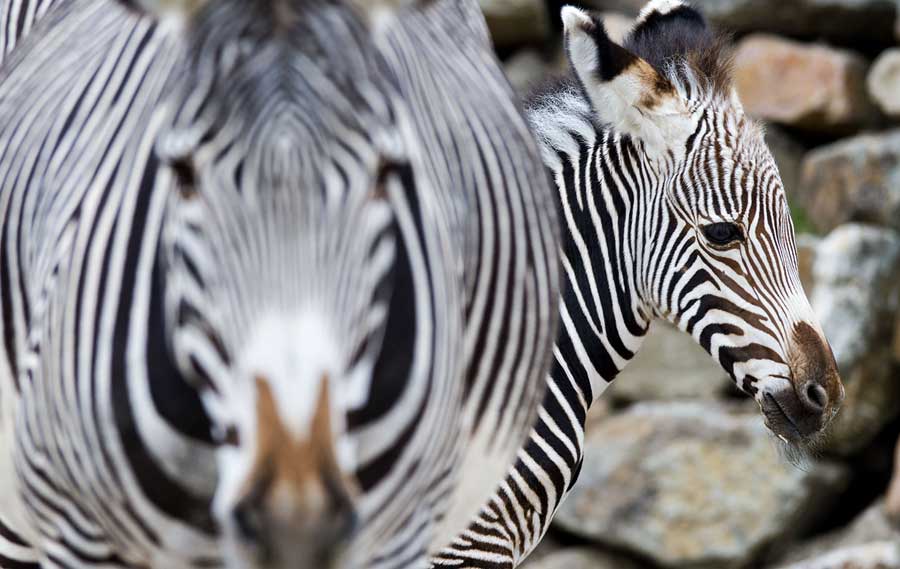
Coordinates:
[812,360]
[305,471]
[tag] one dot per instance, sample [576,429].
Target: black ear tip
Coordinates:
[576,19]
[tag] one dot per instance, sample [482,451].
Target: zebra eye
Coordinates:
[723,233]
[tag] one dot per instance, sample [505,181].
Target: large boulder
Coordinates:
[872,526]
[845,21]
[875,555]
[857,179]
[670,365]
[692,485]
[516,22]
[810,86]
[856,296]
[884,82]
[840,20]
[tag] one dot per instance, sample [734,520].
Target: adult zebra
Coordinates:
[672,208]
[17,19]
[270,270]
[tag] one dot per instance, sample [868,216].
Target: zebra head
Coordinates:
[290,249]
[713,242]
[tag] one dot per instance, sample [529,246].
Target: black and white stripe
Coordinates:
[17,19]
[181,195]
[672,207]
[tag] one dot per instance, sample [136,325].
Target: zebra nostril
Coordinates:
[814,396]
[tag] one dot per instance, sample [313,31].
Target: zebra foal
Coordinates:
[672,207]
[275,274]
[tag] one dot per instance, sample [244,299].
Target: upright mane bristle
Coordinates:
[681,35]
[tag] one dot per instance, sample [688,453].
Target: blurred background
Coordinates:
[680,472]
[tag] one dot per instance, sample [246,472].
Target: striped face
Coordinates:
[715,246]
[290,244]
[725,271]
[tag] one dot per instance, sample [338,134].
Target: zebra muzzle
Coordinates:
[296,507]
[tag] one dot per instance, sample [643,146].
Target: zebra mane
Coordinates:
[681,46]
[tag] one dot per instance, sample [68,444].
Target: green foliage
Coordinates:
[802,223]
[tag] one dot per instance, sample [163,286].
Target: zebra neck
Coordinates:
[601,195]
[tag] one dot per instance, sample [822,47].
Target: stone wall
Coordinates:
[680,472]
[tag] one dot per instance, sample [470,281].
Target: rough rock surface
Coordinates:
[871,526]
[834,19]
[516,22]
[857,179]
[810,86]
[875,555]
[856,303]
[690,373]
[884,82]
[679,484]
[840,20]
[580,558]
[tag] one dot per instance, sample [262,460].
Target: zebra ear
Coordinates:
[625,91]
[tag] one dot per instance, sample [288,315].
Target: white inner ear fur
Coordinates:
[631,102]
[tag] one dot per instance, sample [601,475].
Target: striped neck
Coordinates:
[601,183]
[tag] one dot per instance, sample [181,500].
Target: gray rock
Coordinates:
[810,86]
[856,179]
[884,82]
[681,484]
[669,366]
[580,558]
[516,22]
[856,296]
[526,69]
[841,20]
[871,526]
[875,555]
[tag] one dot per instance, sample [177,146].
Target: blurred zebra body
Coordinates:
[17,19]
[672,207]
[175,194]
